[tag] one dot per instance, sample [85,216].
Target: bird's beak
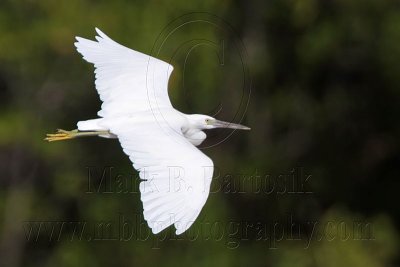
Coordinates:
[224,124]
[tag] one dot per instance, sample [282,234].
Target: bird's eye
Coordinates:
[207,121]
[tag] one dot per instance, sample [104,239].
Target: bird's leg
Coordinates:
[65,135]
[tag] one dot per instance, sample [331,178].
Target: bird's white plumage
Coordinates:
[136,108]
[177,175]
[127,81]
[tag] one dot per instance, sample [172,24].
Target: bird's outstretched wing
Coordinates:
[133,87]
[176,175]
[126,80]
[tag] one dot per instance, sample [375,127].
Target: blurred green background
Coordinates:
[325,91]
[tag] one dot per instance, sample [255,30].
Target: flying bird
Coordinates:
[159,140]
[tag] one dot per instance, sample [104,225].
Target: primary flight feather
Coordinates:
[159,140]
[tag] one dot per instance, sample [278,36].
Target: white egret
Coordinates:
[159,140]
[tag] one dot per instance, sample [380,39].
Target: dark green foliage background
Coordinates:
[325,97]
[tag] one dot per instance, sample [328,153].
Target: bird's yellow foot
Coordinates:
[61,135]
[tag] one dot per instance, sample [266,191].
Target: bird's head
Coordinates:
[205,122]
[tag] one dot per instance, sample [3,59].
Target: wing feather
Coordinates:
[126,80]
[176,175]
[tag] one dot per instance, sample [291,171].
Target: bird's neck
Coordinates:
[193,123]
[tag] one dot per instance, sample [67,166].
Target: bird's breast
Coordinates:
[196,137]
